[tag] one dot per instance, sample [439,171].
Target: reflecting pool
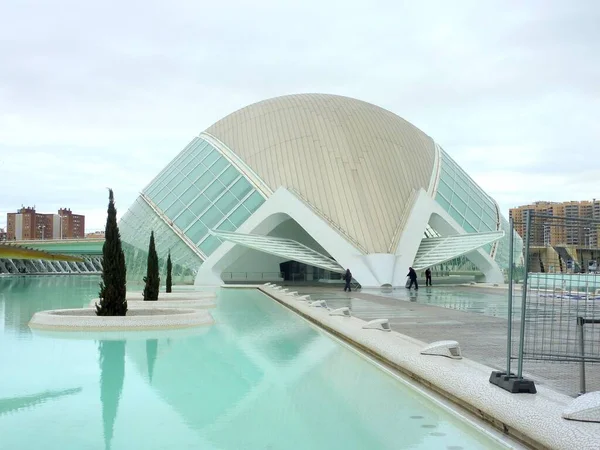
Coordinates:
[260,378]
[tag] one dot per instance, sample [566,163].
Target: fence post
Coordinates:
[510,294]
[524,296]
[580,322]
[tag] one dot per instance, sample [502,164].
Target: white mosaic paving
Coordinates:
[534,418]
[85,319]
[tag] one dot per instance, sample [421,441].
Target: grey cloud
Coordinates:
[122,86]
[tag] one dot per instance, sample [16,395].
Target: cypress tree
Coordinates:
[169,270]
[151,279]
[113,284]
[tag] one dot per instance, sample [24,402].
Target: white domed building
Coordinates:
[305,186]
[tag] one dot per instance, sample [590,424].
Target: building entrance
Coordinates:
[297,271]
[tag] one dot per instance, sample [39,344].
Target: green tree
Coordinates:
[169,270]
[151,279]
[114,273]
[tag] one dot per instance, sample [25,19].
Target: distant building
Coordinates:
[73,225]
[541,235]
[95,235]
[27,224]
[3,235]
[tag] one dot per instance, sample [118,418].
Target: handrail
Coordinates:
[239,275]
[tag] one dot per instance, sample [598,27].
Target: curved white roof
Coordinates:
[355,162]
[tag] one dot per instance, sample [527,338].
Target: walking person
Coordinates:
[412,275]
[347,278]
[428,277]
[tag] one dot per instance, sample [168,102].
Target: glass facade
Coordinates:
[502,252]
[135,228]
[472,208]
[198,191]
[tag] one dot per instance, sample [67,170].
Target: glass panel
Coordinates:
[211,217]
[472,218]
[196,232]
[458,190]
[226,225]
[181,187]
[210,158]
[443,202]
[447,173]
[226,202]
[167,201]
[174,209]
[206,151]
[191,163]
[468,228]
[214,190]
[241,188]
[487,224]
[203,150]
[172,179]
[158,194]
[219,165]
[204,180]
[198,170]
[152,189]
[185,219]
[199,205]
[445,190]
[210,244]
[189,195]
[190,167]
[184,162]
[198,149]
[475,206]
[239,216]
[459,204]
[228,176]
[456,216]
[489,217]
[253,202]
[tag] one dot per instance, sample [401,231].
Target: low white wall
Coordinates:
[83,319]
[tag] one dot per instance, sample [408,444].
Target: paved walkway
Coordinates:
[482,338]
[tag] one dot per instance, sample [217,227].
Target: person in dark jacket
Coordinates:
[347,278]
[412,275]
[428,277]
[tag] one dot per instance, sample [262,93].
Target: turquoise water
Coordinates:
[260,378]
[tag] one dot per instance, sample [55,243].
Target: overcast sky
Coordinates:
[107,93]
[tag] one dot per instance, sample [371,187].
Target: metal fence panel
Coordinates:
[560,301]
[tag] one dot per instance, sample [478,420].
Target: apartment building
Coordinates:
[27,224]
[573,232]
